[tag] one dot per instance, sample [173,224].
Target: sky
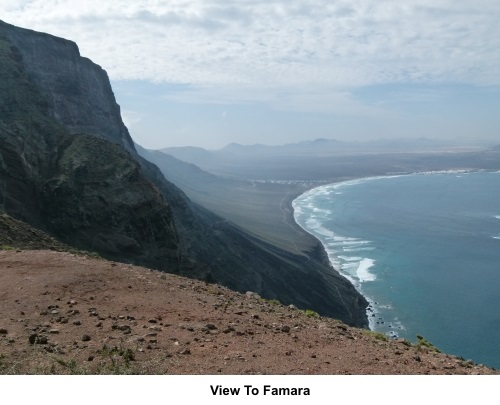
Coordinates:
[211,72]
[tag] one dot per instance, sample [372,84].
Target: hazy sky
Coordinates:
[211,72]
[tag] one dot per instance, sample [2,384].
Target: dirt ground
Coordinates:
[64,313]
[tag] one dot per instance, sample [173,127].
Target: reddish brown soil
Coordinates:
[93,316]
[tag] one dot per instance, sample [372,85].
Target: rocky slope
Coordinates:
[68,166]
[16,234]
[63,313]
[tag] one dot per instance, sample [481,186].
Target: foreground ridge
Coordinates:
[65,313]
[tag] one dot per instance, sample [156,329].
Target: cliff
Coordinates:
[87,192]
[68,166]
[77,91]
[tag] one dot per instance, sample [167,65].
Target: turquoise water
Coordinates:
[424,249]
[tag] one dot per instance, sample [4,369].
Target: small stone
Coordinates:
[285,328]
[54,331]
[185,351]
[86,338]
[35,339]
[210,326]
[77,323]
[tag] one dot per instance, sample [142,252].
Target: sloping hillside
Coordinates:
[63,313]
[68,166]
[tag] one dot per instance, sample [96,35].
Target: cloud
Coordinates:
[254,50]
[131,118]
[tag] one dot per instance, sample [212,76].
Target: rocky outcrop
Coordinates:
[17,235]
[98,199]
[86,191]
[68,166]
[77,91]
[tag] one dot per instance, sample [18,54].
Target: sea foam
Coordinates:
[363,270]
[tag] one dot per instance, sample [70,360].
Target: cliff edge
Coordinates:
[68,166]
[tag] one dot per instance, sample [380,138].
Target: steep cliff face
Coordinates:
[78,91]
[86,191]
[99,194]
[108,205]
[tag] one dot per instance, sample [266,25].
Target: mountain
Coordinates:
[68,166]
[332,160]
[86,191]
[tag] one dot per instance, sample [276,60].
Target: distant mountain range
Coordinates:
[322,147]
[331,160]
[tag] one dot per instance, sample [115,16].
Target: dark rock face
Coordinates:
[18,234]
[77,91]
[86,191]
[68,166]
[98,199]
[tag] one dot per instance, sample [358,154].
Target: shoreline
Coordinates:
[370,309]
[372,312]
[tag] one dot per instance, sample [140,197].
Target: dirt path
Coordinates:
[65,313]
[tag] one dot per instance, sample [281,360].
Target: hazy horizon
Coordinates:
[210,73]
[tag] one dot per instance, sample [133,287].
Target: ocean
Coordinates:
[424,249]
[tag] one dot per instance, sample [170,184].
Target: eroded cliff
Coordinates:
[98,194]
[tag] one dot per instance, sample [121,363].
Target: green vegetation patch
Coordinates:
[311,314]
[422,342]
[377,335]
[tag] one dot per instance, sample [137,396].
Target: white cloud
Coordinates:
[256,50]
[131,118]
